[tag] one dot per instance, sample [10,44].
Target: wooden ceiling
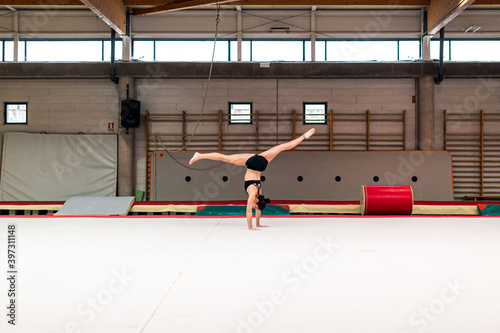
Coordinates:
[113,12]
[259,3]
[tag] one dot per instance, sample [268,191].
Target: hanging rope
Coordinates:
[158,140]
[180,163]
[217,21]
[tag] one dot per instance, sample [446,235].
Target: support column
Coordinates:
[425,113]
[127,40]
[425,40]
[126,143]
[126,48]
[16,36]
[239,33]
[313,33]
[426,48]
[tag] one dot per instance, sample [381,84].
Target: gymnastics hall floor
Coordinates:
[302,274]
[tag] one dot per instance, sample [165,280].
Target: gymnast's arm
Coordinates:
[257,218]
[250,202]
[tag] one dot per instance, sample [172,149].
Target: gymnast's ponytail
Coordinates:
[263,201]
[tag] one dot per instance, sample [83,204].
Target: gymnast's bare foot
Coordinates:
[262,226]
[309,133]
[254,229]
[195,158]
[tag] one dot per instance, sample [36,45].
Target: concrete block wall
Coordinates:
[140,153]
[63,105]
[354,96]
[275,96]
[87,105]
[464,96]
[469,96]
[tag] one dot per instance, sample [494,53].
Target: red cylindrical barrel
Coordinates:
[386,200]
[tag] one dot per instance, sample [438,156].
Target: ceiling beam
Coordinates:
[486,3]
[442,12]
[277,3]
[339,3]
[112,12]
[178,6]
[264,3]
[40,3]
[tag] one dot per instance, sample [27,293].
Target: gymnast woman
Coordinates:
[255,163]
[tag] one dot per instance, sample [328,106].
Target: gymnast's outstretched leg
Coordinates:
[270,154]
[237,159]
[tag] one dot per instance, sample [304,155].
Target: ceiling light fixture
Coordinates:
[279,29]
[472,29]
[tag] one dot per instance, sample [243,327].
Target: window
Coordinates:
[475,50]
[320,50]
[408,50]
[246,47]
[362,51]
[436,47]
[16,113]
[467,50]
[191,50]
[143,50]
[277,51]
[106,52]
[314,113]
[64,51]
[8,51]
[240,113]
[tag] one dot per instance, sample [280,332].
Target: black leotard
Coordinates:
[252,182]
[257,163]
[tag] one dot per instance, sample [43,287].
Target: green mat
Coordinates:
[139,195]
[489,210]
[240,210]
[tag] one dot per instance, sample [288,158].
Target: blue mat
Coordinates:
[240,210]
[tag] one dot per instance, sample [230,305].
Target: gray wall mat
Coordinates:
[319,172]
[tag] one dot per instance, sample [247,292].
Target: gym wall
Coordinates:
[88,105]
[63,105]
[276,95]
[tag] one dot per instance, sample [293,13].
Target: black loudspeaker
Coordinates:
[131,113]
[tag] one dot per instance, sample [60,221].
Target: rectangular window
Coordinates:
[59,51]
[277,51]
[9,51]
[362,50]
[191,50]
[475,50]
[409,50]
[15,113]
[106,53]
[240,113]
[315,113]
[144,50]
[320,50]
[436,47]
[245,50]
[308,51]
